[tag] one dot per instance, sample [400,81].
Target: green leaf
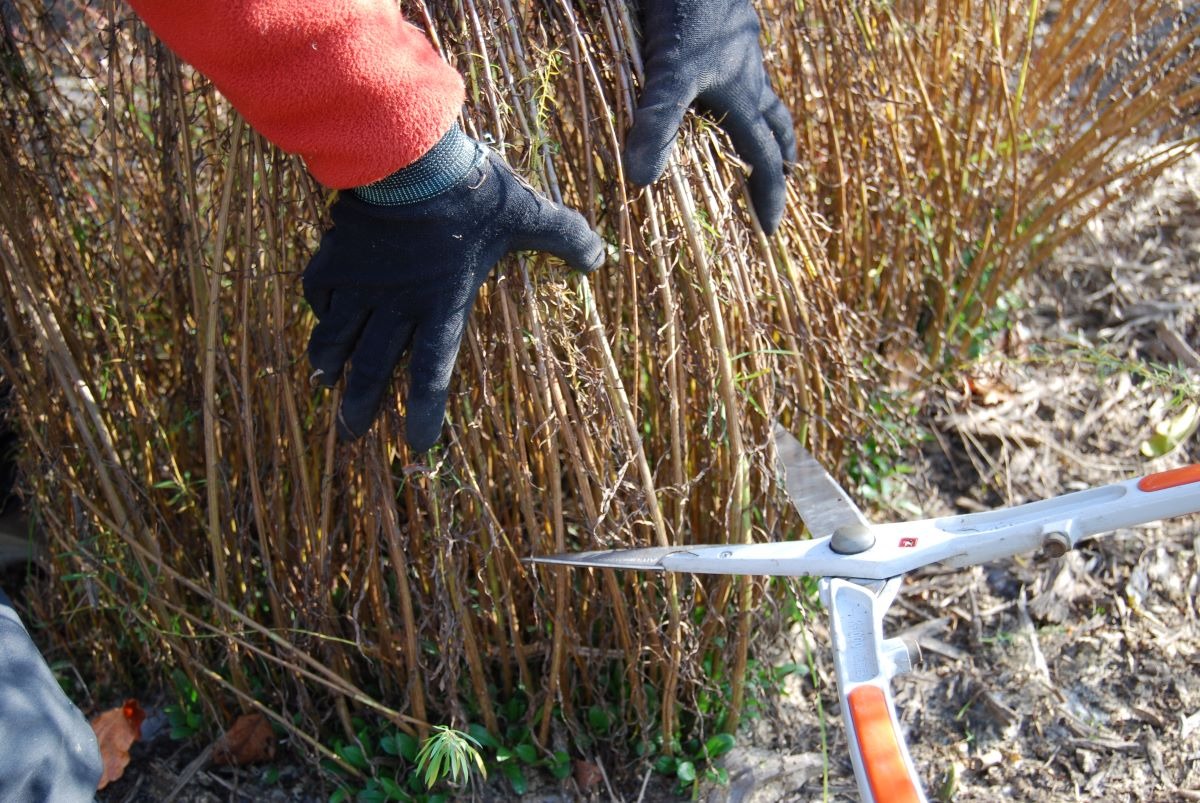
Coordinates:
[371,795]
[665,765]
[409,746]
[342,794]
[719,745]
[686,771]
[482,735]
[561,767]
[514,709]
[352,754]
[718,775]
[516,777]
[503,754]
[784,670]
[333,767]
[393,790]
[527,753]
[1170,433]
[515,734]
[599,719]
[400,744]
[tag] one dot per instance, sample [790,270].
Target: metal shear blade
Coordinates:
[648,559]
[821,502]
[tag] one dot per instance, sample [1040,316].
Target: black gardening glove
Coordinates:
[707,51]
[400,269]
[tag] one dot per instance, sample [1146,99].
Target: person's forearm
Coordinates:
[346,84]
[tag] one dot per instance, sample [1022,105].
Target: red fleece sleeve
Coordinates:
[347,84]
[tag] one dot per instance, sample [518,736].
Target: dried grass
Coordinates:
[201,514]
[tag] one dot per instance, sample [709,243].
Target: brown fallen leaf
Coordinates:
[587,774]
[987,390]
[249,741]
[116,730]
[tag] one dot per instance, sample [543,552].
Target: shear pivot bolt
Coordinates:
[850,539]
[1056,545]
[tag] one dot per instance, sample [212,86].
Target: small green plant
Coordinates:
[394,766]
[449,754]
[1108,360]
[694,762]
[185,717]
[185,489]
[1003,638]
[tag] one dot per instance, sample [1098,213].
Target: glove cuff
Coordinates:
[439,169]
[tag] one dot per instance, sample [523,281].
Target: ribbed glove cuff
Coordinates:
[437,171]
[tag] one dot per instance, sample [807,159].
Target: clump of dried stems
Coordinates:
[199,511]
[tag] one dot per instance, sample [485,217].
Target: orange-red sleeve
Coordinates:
[346,84]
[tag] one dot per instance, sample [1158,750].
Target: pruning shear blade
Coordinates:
[648,559]
[818,498]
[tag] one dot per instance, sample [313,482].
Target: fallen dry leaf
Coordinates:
[116,729]
[250,741]
[987,390]
[587,774]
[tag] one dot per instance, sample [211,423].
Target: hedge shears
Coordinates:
[861,566]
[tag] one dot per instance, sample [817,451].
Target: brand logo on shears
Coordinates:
[908,543]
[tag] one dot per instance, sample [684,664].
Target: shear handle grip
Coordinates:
[1173,478]
[875,730]
[865,662]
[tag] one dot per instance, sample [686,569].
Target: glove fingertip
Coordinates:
[564,233]
[595,261]
[771,222]
[769,207]
[644,164]
[648,146]
[572,239]
[359,409]
[322,378]
[328,363]
[656,123]
[421,443]
[347,432]
[591,256]
[422,428]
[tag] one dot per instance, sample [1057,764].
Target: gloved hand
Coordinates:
[400,269]
[707,51]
